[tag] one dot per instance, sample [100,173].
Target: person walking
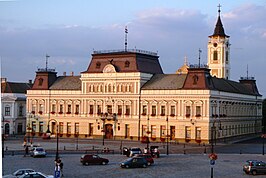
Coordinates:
[26,151]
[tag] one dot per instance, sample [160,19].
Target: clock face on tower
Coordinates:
[215,45]
[109,68]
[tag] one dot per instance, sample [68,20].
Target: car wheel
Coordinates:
[254,172]
[144,165]
[127,166]
[104,163]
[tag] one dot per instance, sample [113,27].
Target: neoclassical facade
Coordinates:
[124,94]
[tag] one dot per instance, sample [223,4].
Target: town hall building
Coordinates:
[125,95]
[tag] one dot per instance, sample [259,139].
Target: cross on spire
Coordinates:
[219,9]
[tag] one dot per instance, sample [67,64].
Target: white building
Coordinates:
[13,102]
[124,94]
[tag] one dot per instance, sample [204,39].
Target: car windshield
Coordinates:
[135,149]
[39,149]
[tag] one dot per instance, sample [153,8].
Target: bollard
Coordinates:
[205,151]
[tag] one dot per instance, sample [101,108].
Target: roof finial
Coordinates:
[126,31]
[46,63]
[219,9]
[247,70]
[199,56]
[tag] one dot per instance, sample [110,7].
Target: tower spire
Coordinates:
[219,9]
[199,56]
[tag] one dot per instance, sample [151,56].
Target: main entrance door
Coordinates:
[109,131]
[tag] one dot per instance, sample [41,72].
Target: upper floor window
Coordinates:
[127,110]
[119,112]
[69,108]
[20,110]
[7,110]
[172,111]
[91,109]
[188,111]
[162,110]
[198,111]
[77,109]
[99,109]
[153,110]
[144,109]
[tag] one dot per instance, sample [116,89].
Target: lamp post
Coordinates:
[148,132]
[103,117]
[167,136]
[57,138]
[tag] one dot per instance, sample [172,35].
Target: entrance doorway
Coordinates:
[109,131]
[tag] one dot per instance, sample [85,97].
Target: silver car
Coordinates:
[18,172]
[38,152]
[36,174]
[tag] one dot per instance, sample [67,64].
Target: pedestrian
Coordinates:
[26,150]
[61,167]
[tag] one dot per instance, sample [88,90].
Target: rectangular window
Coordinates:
[69,109]
[119,112]
[33,126]
[163,131]
[153,131]
[69,128]
[61,127]
[188,132]
[90,129]
[198,111]
[127,110]
[144,130]
[53,108]
[188,111]
[153,111]
[33,108]
[172,110]
[144,110]
[20,110]
[7,111]
[109,109]
[91,109]
[61,108]
[215,55]
[77,109]
[41,108]
[76,128]
[172,132]
[99,109]
[162,110]
[198,133]
[40,127]
[127,131]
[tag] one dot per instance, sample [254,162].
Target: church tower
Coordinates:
[219,51]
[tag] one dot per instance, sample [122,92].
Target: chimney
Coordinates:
[3,80]
[72,73]
[30,81]
[64,73]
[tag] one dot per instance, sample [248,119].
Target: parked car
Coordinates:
[35,174]
[155,151]
[134,162]
[38,152]
[254,167]
[18,172]
[93,159]
[148,158]
[134,151]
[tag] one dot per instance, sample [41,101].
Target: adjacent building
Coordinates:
[13,102]
[124,94]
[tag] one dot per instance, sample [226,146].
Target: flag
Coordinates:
[126,31]
[47,55]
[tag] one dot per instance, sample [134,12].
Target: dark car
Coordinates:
[148,158]
[254,167]
[93,159]
[134,151]
[134,162]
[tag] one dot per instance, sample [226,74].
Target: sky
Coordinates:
[70,30]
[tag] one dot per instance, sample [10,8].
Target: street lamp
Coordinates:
[57,138]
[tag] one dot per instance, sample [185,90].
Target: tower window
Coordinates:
[226,56]
[98,65]
[215,55]
[40,81]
